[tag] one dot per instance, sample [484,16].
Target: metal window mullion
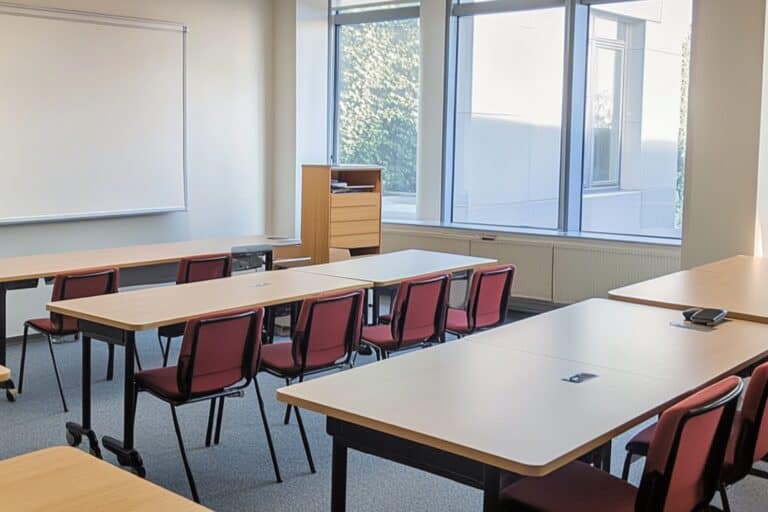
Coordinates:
[354,18]
[574,104]
[498,6]
[335,78]
[449,117]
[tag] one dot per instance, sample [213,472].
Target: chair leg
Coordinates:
[305,441]
[111,361]
[188,470]
[167,351]
[287,416]
[23,358]
[724,499]
[267,432]
[758,473]
[56,371]
[138,361]
[627,464]
[160,342]
[217,437]
[209,430]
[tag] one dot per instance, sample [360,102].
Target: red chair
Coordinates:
[487,301]
[418,316]
[327,335]
[191,270]
[219,358]
[748,442]
[682,473]
[73,285]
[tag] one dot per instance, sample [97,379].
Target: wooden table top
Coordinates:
[497,397]
[46,265]
[395,267]
[5,373]
[631,338]
[502,407]
[167,305]
[738,284]
[68,480]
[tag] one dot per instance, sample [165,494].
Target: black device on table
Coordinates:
[705,316]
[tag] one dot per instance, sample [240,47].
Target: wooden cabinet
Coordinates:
[350,221]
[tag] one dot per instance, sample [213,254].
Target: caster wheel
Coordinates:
[95,452]
[74,439]
[10,395]
[139,471]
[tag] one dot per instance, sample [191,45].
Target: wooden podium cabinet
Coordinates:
[340,220]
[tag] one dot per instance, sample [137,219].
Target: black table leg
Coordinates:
[339,476]
[75,431]
[124,450]
[3,334]
[491,478]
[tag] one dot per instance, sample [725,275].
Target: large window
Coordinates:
[634,155]
[377,96]
[569,123]
[509,92]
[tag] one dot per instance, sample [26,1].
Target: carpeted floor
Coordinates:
[237,474]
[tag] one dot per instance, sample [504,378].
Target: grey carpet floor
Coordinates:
[237,474]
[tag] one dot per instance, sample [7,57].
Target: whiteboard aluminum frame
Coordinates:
[12,9]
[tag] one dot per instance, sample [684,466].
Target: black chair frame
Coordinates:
[232,391]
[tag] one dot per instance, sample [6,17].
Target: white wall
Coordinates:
[723,130]
[229,86]
[300,114]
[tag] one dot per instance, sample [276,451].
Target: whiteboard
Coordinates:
[92,115]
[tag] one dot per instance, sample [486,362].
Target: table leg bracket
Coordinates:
[129,458]
[76,433]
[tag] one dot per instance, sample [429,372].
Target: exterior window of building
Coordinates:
[376,99]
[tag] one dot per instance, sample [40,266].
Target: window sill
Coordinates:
[492,231]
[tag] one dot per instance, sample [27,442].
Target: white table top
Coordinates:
[498,398]
[395,267]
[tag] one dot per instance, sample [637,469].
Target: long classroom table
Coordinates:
[502,400]
[116,318]
[389,269]
[147,264]
[738,284]
[68,480]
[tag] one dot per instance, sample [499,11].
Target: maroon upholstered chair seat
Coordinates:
[685,458]
[576,487]
[72,285]
[487,301]
[327,334]
[219,357]
[163,382]
[278,357]
[418,315]
[747,442]
[45,325]
[457,321]
[203,267]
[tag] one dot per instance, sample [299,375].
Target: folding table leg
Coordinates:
[124,450]
[75,431]
[491,489]
[339,477]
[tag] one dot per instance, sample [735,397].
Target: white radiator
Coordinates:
[590,269]
[551,269]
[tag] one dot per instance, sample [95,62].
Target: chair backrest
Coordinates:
[419,311]
[80,284]
[204,267]
[685,457]
[489,296]
[751,441]
[328,329]
[219,350]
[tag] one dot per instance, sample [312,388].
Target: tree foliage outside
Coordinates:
[379,99]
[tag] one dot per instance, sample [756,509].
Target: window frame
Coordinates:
[376,12]
[574,142]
